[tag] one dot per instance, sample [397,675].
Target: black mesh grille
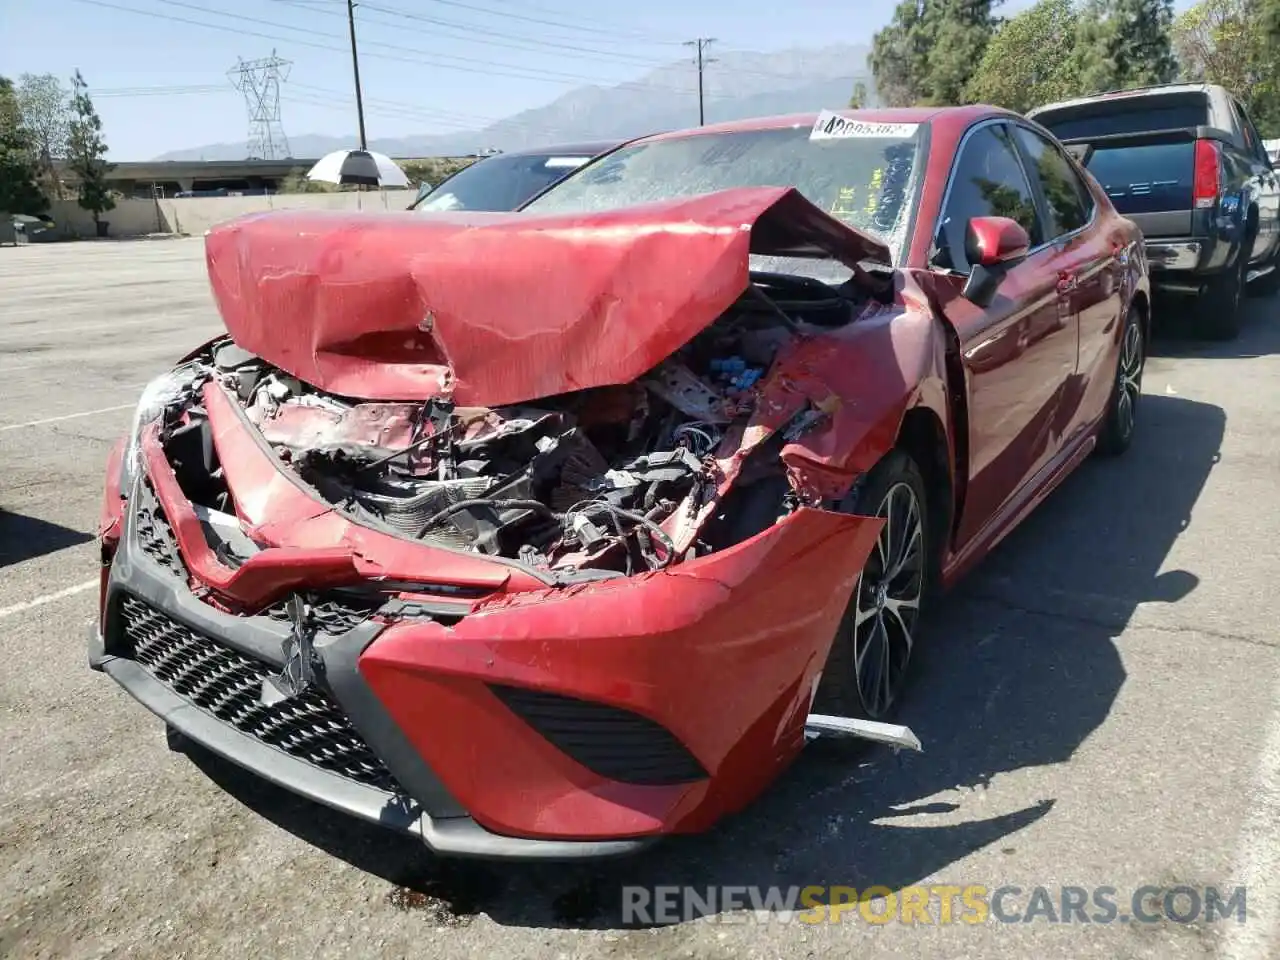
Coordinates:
[332,611]
[614,743]
[155,536]
[227,685]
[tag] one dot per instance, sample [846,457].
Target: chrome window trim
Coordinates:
[1009,121]
[1093,201]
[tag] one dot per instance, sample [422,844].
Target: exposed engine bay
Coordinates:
[588,483]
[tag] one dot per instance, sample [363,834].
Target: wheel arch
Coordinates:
[1141,302]
[923,438]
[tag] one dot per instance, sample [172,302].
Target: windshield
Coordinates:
[499,183]
[867,182]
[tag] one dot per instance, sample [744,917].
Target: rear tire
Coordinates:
[1122,410]
[867,669]
[1217,312]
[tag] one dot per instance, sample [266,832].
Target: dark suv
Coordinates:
[1185,163]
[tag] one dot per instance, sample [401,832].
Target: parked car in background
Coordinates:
[541,534]
[1185,163]
[503,181]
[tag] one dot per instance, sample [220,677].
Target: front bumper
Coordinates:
[560,723]
[424,809]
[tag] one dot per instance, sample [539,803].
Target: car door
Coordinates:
[1266,187]
[1085,258]
[1019,352]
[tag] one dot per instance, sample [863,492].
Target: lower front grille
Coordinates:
[155,535]
[608,741]
[227,685]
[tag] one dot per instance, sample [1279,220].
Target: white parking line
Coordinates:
[47,598]
[68,416]
[1258,860]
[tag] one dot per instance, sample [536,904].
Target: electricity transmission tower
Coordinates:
[259,81]
[702,43]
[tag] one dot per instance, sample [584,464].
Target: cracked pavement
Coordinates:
[1095,702]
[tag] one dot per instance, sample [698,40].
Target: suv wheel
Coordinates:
[1217,311]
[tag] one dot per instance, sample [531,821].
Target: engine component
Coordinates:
[681,387]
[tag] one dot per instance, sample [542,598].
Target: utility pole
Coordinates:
[355,69]
[701,43]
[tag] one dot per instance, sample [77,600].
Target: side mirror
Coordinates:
[993,246]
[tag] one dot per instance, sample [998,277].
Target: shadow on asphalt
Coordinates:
[1018,670]
[1259,331]
[24,538]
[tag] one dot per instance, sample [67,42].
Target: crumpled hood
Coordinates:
[503,308]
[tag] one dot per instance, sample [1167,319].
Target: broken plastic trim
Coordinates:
[892,734]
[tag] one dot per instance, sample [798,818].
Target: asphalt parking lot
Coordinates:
[1099,705]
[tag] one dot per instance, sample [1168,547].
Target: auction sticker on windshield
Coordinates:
[831,126]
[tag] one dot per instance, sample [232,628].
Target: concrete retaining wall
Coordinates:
[195,215]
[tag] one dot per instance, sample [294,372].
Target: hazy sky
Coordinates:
[158,68]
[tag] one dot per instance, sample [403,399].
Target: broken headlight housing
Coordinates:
[168,389]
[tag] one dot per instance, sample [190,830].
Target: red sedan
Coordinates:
[541,534]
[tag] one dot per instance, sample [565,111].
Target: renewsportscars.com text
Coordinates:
[938,904]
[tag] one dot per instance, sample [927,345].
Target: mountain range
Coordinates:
[738,84]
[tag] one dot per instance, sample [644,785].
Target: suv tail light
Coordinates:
[1208,168]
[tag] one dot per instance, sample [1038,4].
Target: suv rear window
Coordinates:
[1103,118]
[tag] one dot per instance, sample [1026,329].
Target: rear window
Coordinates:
[1146,179]
[1103,118]
[499,183]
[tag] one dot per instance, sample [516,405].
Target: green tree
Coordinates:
[930,50]
[1031,59]
[19,191]
[898,54]
[859,99]
[1229,42]
[87,152]
[45,107]
[1124,43]
[958,31]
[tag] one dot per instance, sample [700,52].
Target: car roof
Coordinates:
[589,148]
[1132,93]
[962,116]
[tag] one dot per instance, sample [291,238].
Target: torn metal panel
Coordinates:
[406,307]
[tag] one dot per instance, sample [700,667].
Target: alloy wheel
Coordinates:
[887,606]
[1130,377]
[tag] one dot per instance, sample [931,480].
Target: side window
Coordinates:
[988,181]
[1259,148]
[1252,141]
[1069,200]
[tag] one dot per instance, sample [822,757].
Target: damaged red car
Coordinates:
[547,533]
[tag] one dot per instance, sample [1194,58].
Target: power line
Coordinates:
[429,57]
[584,27]
[158,91]
[702,43]
[607,27]
[422,57]
[517,44]
[392,111]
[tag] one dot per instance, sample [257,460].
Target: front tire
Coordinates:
[1122,411]
[867,668]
